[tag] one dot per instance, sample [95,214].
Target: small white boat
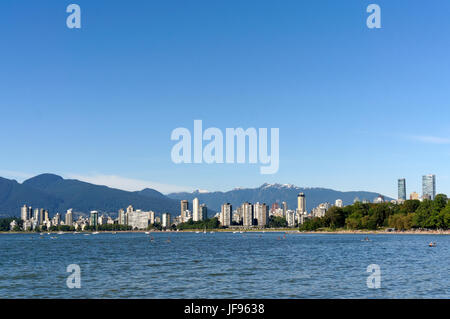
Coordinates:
[95,233]
[60,233]
[147,233]
[197,232]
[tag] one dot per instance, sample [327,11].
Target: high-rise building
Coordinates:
[301,203]
[402,189]
[290,218]
[339,203]
[46,216]
[152,217]
[69,217]
[24,213]
[41,216]
[429,185]
[184,205]
[247,214]
[226,215]
[285,208]
[195,210]
[261,214]
[93,220]
[165,220]
[122,217]
[203,212]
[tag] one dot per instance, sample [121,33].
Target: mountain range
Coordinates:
[275,193]
[57,194]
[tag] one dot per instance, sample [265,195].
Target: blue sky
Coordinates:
[357,108]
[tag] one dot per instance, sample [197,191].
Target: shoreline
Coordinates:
[274,230]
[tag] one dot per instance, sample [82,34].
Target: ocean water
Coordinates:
[224,265]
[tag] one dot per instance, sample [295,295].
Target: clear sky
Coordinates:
[357,108]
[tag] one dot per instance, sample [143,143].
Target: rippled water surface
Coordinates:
[223,265]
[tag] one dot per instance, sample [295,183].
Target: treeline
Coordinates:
[210,223]
[5,223]
[429,214]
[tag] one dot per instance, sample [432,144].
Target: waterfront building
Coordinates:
[261,214]
[226,215]
[247,214]
[195,210]
[278,212]
[301,203]
[290,218]
[429,186]
[165,220]
[41,216]
[339,203]
[56,221]
[93,220]
[36,215]
[12,225]
[203,212]
[25,213]
[69,217]
[138,219]
[122,217]
[237,216]
[46,216]
[401,189]
[184,206]
[102,220]
[379,199]
[321,210]
[151,216]
[285,208]
[274,207]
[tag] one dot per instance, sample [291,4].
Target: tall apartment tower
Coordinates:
[184,206]
[93,220]
[41,216]
[402,189]
[429,186]
[261,213]
[203,212]
[69,217]
[25,213]
[301,203]
[285,208]
[247,214]
[165,220]
[195,210]
[226,215]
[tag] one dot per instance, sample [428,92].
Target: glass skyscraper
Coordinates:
[402,189]
[429,186]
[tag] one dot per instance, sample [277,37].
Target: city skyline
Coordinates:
[358,93]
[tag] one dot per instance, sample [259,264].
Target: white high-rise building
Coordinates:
[261,214]
[247,214]
[290,218]
[69,217]
[165,220]
[25,212]
[301,203]
[339,203]
[195,210]
[226,215]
